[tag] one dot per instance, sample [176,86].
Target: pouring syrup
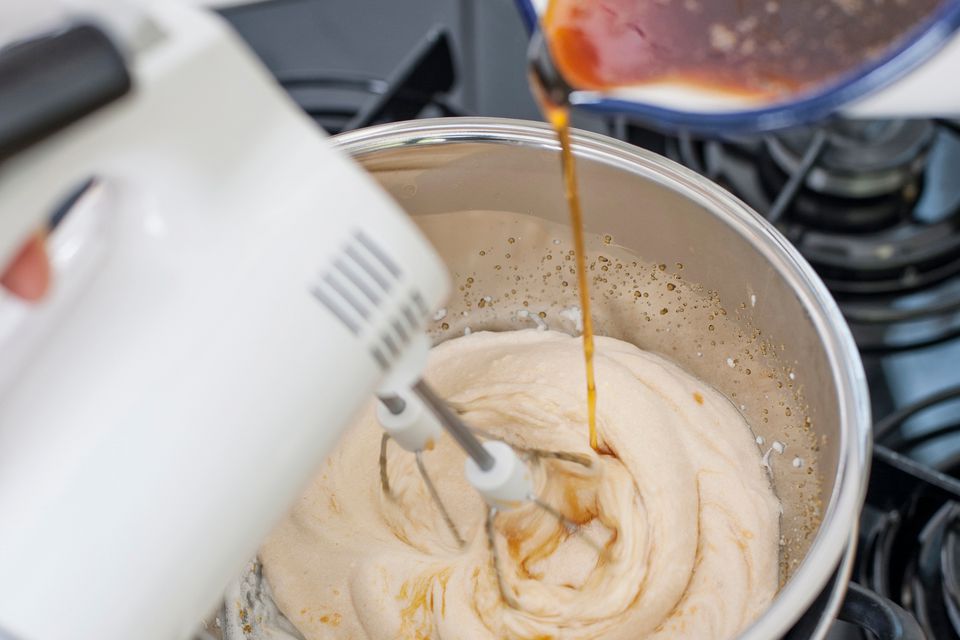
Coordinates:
[551,95]
[559,117]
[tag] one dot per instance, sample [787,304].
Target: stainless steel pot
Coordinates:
[757,322]
[666,214]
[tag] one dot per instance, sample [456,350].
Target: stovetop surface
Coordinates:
[875,207]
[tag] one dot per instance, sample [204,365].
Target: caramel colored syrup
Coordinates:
[767,49]
[559,117]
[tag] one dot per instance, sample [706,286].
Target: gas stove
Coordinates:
[874,206]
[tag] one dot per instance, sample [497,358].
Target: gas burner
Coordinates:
[851,197]
[910,541]
[340,101]
[872,205]
[855,159]
[856,213]
[885,237]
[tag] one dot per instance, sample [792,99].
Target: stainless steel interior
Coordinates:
[745,312]
[678,266]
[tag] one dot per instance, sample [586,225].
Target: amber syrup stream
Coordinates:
[559,117]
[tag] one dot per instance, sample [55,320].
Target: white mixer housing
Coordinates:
[224,300]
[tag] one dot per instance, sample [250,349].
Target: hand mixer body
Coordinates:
[225,299]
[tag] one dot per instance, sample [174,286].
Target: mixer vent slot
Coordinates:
[356,288]
[381,256]
[332,306]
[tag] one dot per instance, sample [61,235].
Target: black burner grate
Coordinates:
[910,532]
[343,101]
[872,205]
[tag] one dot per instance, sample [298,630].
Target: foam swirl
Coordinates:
[679,502]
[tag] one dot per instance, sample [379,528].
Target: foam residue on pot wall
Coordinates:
[514,271]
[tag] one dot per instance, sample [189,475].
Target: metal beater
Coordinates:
[413,416]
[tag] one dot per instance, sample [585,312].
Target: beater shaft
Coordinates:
[452,423]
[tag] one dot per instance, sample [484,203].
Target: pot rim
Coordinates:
[841,516]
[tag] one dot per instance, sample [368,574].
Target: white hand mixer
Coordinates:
[226,296]
[198,354]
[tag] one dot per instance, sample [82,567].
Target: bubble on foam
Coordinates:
[777,447]
[540,322]
[765,461]
[575,316]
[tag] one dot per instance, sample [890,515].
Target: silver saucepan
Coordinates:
[753,319]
